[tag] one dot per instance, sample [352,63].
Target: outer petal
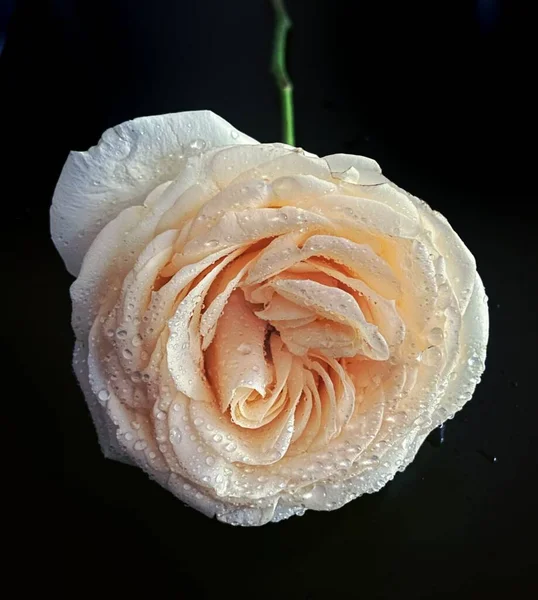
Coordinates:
[127,163]
[460,263]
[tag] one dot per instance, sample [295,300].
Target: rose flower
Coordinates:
[261,330]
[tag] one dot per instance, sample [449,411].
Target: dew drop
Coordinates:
[175,435]
[435,336]
[473,361]
[275,455]
[210,461]
[128,436]
[198,421]
[234,134]
[103,395]
[127,353]
[137,340]
[244,349]
[121,333]
[431,357]
[140,445]
[217,438]
[197,144]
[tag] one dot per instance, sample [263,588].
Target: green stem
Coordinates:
[278,67]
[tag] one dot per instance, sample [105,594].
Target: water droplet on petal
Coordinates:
[431,357]
[103,395]
[175,435]
[435,336]
[197,144]
[274,455]
[244,349]
[473,361]
[140,445]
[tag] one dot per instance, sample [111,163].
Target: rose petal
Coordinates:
[248,226]
[336,305]
[216,305]
[235,362]
[183,348]
[129,161]
[232,163]
[384,312]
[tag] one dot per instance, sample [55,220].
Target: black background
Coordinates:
[439,94]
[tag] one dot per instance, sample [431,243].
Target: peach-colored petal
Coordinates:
[336,305]
[384,312]
[186,371]
[235,273]
[249,226]
[235,361]
[280,309]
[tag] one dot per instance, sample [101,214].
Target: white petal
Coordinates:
[473,345]
[231,163]
[460,263]
[105,429]
[128,162]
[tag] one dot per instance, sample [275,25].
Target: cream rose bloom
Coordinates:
[261,330]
